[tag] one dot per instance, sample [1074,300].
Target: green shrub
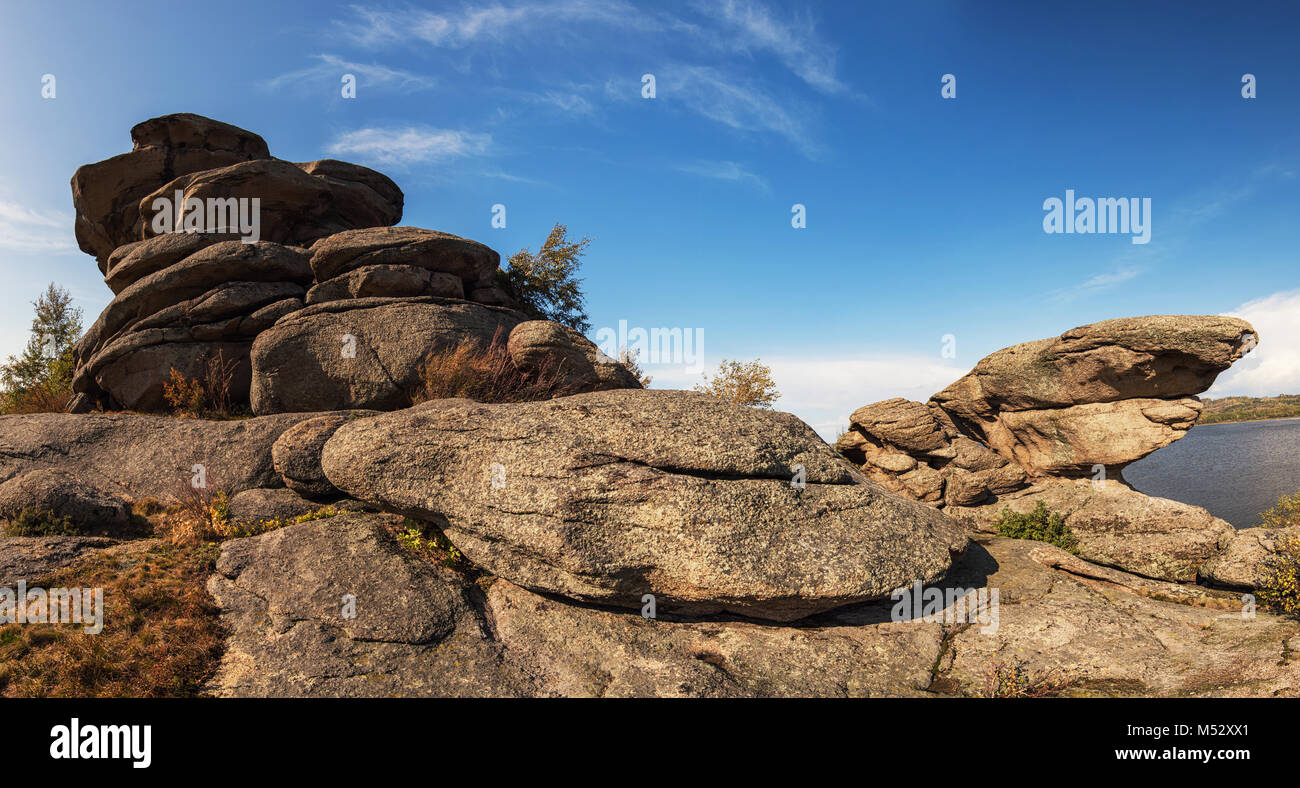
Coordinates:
[1287,512]
[1280,586]
[39,522]
[1039,525]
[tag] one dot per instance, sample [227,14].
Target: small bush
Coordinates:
[485,374]
[1014,680]
[233,530]
[1286,513]
[546,284]
[1280,587]
[39,522]
[1039,525]
[209,396]
[745,384]
[198,515]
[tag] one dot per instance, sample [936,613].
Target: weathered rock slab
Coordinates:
[609,496]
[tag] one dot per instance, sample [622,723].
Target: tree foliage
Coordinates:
[41,378]
[746,384]
[546,284]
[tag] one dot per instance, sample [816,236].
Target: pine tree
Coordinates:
[41,378]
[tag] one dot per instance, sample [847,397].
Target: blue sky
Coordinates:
[924,214]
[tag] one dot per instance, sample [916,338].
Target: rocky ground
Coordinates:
[607,541]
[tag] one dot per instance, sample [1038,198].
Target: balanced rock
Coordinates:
[387,281]
[362,353]
[295,207]
[1136,360]
[470,261]
[549,349]
[106,195]
[612,495]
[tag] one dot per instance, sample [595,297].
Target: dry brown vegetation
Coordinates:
[209,396]
[161,637]
[485,374]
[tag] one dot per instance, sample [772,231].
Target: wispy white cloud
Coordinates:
[329,69]
[1096,284]
[1273,367]
[824,391]
[722,171]
[402,146]
[495,22]
[30,231]
[735,103]
[753,27]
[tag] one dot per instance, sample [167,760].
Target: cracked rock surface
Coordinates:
[608,496]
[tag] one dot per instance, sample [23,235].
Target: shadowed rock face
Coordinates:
[612,495]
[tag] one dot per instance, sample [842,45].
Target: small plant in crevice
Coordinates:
[425,540]
[1015,679]
[211,395]
[1039,525]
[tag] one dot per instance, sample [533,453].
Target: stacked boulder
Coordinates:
[315,303]
[1056,421]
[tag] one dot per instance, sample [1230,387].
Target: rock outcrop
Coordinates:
[321,261]
[1030,421]
[418,629]
[609,496]
[363,353]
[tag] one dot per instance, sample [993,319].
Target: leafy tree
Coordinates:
[745,384]
[545,284]
[41,378]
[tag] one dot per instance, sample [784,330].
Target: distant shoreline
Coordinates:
[1234,410]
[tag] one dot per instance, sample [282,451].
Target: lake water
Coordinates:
[1234,470]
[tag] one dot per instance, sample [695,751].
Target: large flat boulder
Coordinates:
[608,496]
[138,456]
[362,353]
